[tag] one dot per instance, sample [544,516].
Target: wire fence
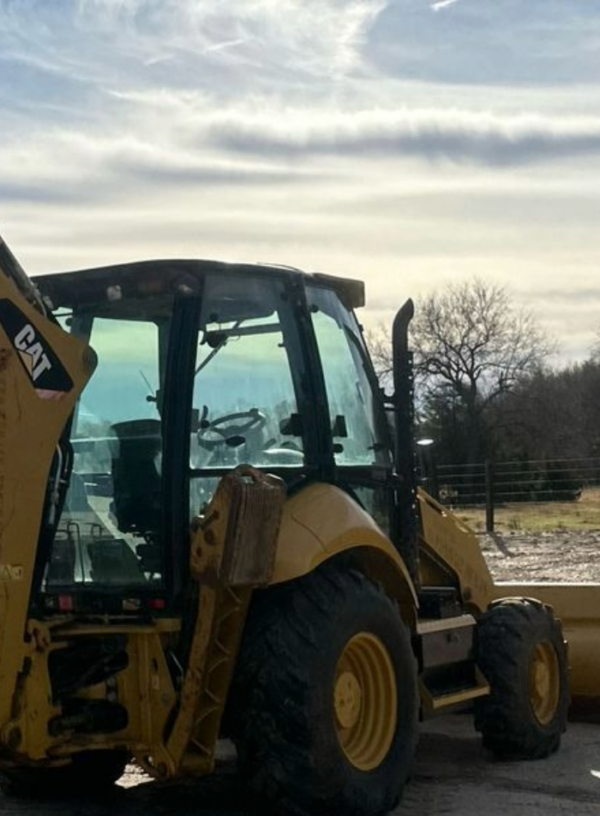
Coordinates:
[532,481]
[534,493]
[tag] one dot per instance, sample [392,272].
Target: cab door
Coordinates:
[356,417]
[250,403]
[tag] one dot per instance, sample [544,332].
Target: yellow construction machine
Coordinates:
[209,527]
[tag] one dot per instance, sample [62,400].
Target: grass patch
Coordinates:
[582,515]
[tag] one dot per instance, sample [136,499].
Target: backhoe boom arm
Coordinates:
[42,373]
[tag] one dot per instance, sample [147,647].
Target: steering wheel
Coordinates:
[255,420]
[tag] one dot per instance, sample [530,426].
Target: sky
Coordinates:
[409,143]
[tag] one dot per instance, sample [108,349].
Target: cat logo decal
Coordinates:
[45,371]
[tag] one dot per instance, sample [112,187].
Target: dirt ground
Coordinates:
[452,777]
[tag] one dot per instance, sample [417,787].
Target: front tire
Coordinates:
[522,654]
[326,696]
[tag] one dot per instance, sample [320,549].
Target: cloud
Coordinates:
[161,138]
[69,166]
[407,141]
[186,43]
[453,135]
[262,83]
[442,4]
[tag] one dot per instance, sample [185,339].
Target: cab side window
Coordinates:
[355,421]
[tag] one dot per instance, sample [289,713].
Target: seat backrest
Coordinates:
[136,475]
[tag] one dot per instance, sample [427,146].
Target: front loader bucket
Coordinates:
[448,541]
[578,607]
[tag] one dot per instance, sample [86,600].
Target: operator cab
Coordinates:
[202,366]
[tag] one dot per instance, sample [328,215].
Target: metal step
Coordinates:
[432,703]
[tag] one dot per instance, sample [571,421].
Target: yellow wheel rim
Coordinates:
[365,701]
[544,682]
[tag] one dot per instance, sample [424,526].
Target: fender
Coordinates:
[321,522]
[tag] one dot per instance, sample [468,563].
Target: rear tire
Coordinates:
[325,697]
[522,654]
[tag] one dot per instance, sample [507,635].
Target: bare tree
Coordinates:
[380,347]
[472,345]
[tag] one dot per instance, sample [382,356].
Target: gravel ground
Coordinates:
[452,777]
[559,556]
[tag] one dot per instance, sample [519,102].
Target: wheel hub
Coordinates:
[544,683]
[365,700]
[348,700]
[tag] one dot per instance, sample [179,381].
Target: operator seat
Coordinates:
[136,476]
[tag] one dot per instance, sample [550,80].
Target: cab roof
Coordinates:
[157,277]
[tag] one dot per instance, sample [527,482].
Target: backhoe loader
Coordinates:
[209,527]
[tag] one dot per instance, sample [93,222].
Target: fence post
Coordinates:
[435,484]
[489,496]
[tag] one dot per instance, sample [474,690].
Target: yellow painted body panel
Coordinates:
[145,686]
[451,555]
[321,522]
[31,422]
[31,707]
